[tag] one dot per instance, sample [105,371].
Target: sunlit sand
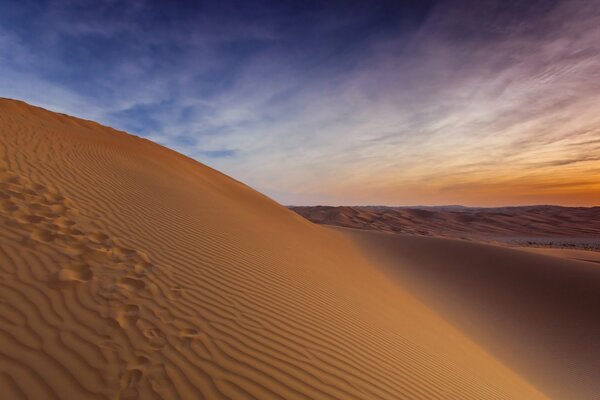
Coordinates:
[130,271]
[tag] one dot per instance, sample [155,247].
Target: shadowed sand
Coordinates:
[538,314]
[129,271]
[524,226]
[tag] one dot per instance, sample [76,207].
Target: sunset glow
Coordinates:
[449,102]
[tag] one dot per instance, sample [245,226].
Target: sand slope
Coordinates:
[538,314]
[129,271]
[570,254]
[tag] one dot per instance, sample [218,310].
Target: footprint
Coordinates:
[97,255]
[129,384]
[132,284]
[76,249]
[65,240]
[119,267]
[188,335]
[123,252]
[151,289]
[98,237]
[155,338]
[63,222]
[38,187]
[59,209]
[143,268]
[50,226]
[143,256]
[34,219]
[51,197]
[24,216]
[110,292]
[43,235]
[71,231]
[108,343]
[127,315]
[160,383]
[71,274]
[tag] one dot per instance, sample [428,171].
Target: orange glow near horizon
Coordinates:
[474,103]
[551,175]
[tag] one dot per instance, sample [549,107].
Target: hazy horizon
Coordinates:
[438,206]
[477,103]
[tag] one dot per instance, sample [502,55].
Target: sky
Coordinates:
[473,102]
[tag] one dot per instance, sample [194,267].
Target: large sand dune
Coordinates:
[129,271]
[538,314]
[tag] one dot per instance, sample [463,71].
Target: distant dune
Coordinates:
[534,226]
[130,271]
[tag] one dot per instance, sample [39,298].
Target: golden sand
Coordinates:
[130,271]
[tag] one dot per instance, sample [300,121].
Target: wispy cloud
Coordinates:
[382,103]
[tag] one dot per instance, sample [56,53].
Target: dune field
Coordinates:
[521,226]
[129,271]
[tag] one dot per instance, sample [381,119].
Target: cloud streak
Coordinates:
[449,102]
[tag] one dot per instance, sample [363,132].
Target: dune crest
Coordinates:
[130,271]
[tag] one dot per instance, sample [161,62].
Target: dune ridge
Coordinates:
[539,226]
[130,271]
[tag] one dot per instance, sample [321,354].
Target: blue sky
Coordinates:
[399,102]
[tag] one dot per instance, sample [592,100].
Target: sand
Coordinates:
[571,254]
[130,271]
[523,226]
[536,313]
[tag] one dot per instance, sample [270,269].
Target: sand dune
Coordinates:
[530,226]
[538,314]
[129,271]
[570,254]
